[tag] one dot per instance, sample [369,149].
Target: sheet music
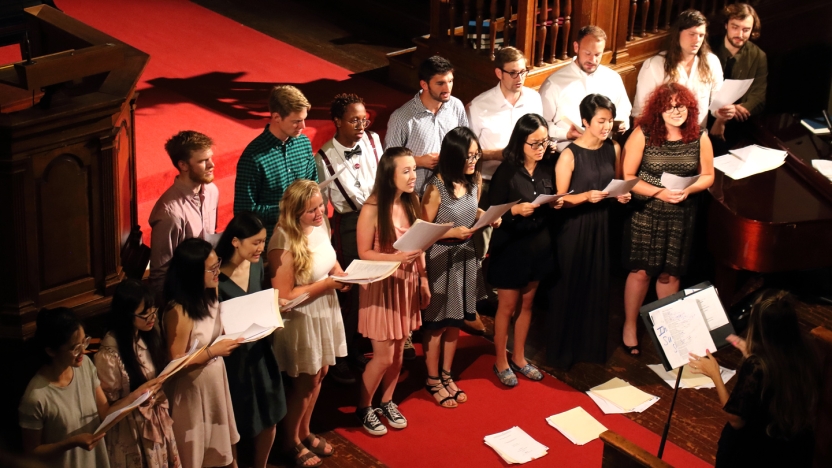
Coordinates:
[517,445]
[492,215]
[711,308]
[365,270]
[618,187]
[253,333]
[750,160]
[174,364]
[681,329]
[577,425]
[115,414]
[421,235]
[730,92]
[332,178]
[674,182]
[294,302]
[823,166]
[542,199]
[259,308]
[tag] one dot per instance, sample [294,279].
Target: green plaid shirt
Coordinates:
[266,168]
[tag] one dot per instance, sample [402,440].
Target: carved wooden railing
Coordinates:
[648,16]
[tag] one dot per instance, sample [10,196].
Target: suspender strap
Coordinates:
[370,136]
[328,164]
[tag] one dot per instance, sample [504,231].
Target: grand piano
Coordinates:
[777,221]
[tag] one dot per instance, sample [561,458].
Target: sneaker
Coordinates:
[341,372]
[370,422]
[394,417]
[409,350]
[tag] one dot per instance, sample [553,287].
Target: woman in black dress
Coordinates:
[772,407]
[578,312]
[521,248]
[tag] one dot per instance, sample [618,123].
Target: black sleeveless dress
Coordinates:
[576,327]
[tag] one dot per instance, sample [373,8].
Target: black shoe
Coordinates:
[341,372]
[370,422]
[409,350]
[394,417]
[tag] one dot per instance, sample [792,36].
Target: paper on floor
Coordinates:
[577,425]
[621,394]
[515,446]
[695,381]
[609,408]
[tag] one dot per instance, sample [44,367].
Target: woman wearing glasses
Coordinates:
[64,403]
[658,235]
[451,196]
[203,418]
[132,354]
[253,374]
[521,252]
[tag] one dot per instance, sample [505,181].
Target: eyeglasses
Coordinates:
[216,268]
[536,145]
[360,124]
[474,157]
[678,107]
[515,74]
[80,347]
[148,317]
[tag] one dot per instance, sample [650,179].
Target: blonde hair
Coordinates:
[292,207]
[285,99]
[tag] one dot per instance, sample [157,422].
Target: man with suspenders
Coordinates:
[354,152]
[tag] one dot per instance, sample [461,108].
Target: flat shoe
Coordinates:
[320,449]
[529,371]
[506,377]
[301,459]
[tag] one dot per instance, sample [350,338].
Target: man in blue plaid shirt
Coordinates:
[276,158]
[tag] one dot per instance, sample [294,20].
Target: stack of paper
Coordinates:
[515,446]
[367,271]
[253,316]
[577,425]
[750,160]
[824,166]
[617,396]
[689,379]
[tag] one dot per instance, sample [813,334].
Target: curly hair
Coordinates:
[292,207]
[652,123]
[341,102]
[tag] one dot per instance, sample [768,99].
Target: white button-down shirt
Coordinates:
[365,173]
[652,75]
[564,90]
[492,118]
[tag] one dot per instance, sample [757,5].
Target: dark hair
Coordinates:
[789,372]
[434,65]
[673,49]
[128,296]
[341,102]
[742,11]
[185,279]
[55,328]
[385,192]
[592,102]
[524,127]
[591,30]
[181,146]
[244,225]
[652,123]
[453,157]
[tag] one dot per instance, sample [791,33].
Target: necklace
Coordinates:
[353,170]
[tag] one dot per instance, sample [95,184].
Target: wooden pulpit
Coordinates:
[67,169]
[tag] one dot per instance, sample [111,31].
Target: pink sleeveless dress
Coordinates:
[389,309]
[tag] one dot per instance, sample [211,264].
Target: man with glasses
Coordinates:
[189,207]
[353,155]
[492,115]
[564,90]
[276,158]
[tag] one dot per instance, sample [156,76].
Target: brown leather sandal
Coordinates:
[320,449]
[300,460]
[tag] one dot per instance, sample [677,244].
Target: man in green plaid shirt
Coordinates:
[276,158]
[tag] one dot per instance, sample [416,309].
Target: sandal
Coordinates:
[630,349]
[300,460]
[506,377]
[320,449]
[529,371]
[459,395]
[436,388]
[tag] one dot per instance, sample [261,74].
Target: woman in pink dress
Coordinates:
[388,310]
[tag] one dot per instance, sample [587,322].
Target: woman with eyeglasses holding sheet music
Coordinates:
[132,354]
[521,253]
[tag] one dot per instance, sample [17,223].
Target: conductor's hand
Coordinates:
[523,209]
[705,365]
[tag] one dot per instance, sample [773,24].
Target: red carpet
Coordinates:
[454,437]
[211,74]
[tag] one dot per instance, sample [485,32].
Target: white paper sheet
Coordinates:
[681,329]
[421,235]
[332,178]
[621,394]
[674,182]
[618,187]
[172,365]
[259,308]
[824,166]
[493,213]
[366,271]
[609,407]
[750,160]
[213,239]
[542,199]
[711,308]
[729,93]
[577,425]
[294,303]
[253,333]
[516,446]
[115,414]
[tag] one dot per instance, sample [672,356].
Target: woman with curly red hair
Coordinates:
[658,236]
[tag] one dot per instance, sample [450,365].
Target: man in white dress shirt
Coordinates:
[564,90]
[686,60]
[353,154]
